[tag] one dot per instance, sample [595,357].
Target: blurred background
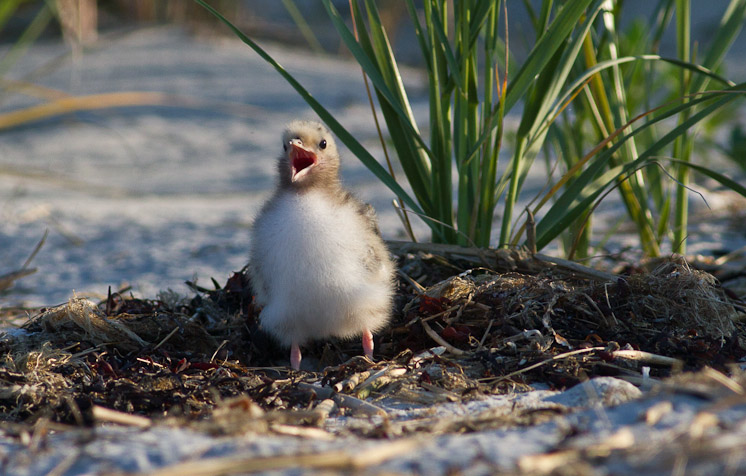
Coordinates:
[297,23]
[141,134]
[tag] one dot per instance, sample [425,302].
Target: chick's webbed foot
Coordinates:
[368,343]
[295,356]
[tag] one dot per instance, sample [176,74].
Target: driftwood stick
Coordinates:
[325,408]
[724,380]
[350,383]
[103,414]
[379,379]
[347,401]
[578,268]
[402,247]
[358,406]
[647,357]
[301,431]
[503,259]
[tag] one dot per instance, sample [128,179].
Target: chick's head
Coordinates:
[309,156]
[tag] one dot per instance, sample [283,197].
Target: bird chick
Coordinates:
[319,266]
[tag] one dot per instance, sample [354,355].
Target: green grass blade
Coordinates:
[581,201]
[531,131]
[480,14]
[581,79]
[7,9]
[543,20]
[419,33]
[374,74]
[440,90]
[722,179]
[681,147]
[414,161]
[453,65]
[724,36]
[305,30]
[633,191]
[559,29]
[27,38]
[553,222]
[602,158]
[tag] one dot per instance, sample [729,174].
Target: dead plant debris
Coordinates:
[502,322]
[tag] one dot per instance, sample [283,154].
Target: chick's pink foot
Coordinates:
[368,343]
[295,356]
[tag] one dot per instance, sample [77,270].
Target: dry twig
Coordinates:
[102,414]
[439,340]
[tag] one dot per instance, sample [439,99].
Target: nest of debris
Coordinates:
[467,323]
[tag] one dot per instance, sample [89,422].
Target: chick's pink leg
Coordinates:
[295,356]
[368,343]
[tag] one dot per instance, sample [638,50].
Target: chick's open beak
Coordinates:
[301,160]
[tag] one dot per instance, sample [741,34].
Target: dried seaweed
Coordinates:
[205,361]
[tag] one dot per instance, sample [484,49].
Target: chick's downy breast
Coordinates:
[312,254]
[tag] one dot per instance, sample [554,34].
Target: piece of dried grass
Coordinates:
[689,297]
[80,314]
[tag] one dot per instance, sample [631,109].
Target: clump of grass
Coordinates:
[579,58]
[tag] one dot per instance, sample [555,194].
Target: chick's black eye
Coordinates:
[322,144]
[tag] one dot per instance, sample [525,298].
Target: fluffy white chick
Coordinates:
[318,264]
